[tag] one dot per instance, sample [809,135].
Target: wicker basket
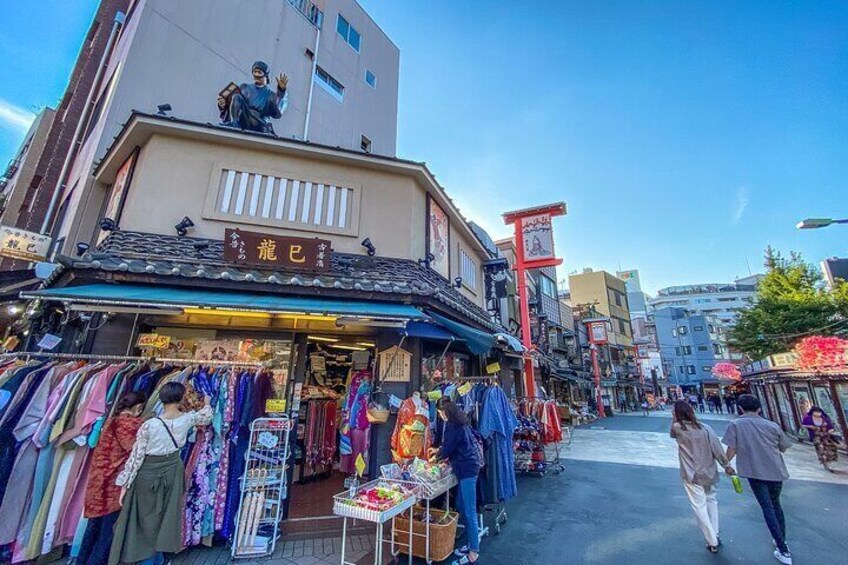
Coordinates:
[442,536]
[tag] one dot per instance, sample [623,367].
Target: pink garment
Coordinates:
[74,498]
[97,401]
[54,405]
[224,459]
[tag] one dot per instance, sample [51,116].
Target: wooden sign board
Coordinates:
[266,250]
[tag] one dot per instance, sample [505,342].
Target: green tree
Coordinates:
[791,303]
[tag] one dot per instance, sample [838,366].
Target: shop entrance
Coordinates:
[331,402]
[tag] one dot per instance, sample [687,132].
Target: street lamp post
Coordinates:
[816,223]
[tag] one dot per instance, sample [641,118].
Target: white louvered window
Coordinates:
[254,198]
[467,270]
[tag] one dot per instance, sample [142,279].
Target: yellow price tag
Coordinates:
[275,405]
[359,464]
[434,394]
[493,368]
[464,389]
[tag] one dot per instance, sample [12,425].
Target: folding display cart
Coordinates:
[263,488]
[345,506]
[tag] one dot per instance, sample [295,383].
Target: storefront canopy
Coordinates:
[165,297]
[479,342]
[427,330]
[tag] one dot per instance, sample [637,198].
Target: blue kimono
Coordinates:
[498,423]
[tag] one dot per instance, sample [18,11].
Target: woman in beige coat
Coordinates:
[699,449]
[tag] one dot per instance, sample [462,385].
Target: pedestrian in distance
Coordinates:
[701,407]
[699,449]
[693,400]
[102,495]
[823,435]
[758,445]
[464,450]
[730,403]
[646,407]
[153,483]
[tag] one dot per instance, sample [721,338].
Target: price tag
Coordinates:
[49,341]
[275,405]
[153,340]
[434,394]
[394,401]
[493,368]
[464,389]
[359,464]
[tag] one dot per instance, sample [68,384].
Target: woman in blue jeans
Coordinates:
[460,447]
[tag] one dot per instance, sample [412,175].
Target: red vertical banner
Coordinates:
[534,244]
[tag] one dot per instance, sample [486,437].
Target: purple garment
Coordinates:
[808,421]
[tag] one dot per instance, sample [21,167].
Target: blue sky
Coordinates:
[683,136]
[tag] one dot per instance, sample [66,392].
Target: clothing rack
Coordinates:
[98,357]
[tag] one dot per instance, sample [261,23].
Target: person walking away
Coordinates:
[152,483]
[711,404]
[718,404]
[464,451]
[701,403]
[728,401]
[622,402]
[758,445]
[646,407]
[693,400]
[823,435]
[698,450]
[102,505]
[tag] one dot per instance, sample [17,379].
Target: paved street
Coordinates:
[620,501]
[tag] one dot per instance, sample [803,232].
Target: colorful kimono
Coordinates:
[411,437]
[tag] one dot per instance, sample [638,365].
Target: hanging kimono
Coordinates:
[355,431]
[411,437]
[498,423]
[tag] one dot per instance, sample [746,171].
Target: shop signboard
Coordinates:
[538,236]
[267,250]
[598,332]
[21,244]
[155,341]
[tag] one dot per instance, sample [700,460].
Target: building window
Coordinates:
[711,328]
[687,350]
[673,332]
[467,270]
[716,349]
[617,299]
[690,369]
[622,327]
[328,83]
[365,144]
[702,348]
[682,330]
[370,79]
[348,33]
[698,328]
[681,369]
[677,351]
[706,369]
[548,286]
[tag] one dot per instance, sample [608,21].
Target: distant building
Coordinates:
[690,344]
[721,301]
[22,171]
[607,294]
[636,299]
[835,269]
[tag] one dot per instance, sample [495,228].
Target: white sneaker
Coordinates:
[784,558]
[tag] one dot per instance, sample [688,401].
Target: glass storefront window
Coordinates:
[788,422]
[842,391]
[822,399]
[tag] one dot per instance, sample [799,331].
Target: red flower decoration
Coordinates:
[727,371]
[822,352]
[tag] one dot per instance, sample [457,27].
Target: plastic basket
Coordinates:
[442,536]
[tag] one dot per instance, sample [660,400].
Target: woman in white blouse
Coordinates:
[152,482]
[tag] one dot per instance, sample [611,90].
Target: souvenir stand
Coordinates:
[263,488]
[377,502]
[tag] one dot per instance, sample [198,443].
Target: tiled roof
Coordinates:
[187,257]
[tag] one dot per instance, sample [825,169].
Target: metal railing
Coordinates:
[308,10]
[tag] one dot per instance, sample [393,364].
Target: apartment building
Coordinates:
[690,344]
[721,301]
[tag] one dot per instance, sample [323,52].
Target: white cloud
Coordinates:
[15,117]
[743,197]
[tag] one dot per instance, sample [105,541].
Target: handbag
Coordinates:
[377,413]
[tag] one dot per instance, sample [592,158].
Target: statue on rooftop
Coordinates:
[251,107]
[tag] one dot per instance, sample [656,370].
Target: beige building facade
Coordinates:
[342,74]
[222,178]
[608,295]
[21,172]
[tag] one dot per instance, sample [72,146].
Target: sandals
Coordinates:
[465,560]
[712,548]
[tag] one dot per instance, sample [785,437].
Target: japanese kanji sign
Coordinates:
[266,250]
[19,244]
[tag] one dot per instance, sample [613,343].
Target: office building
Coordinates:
[720,301]
[690,344]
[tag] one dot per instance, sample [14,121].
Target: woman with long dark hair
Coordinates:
[823,435]
[102,495]
[699,449]
[460,446]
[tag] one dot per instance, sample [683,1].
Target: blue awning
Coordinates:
[511,341]
[427,330]
[166,297]
[478,341]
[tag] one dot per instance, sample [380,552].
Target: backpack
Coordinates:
[477,443]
